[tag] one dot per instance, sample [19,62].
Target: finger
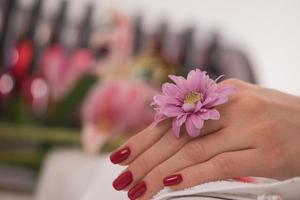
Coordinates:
[194,152]
[156,154]
[145,162]
[139,143]
[204,148]
[224,166]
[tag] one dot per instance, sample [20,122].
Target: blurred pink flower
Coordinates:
[190,101]
[116,107]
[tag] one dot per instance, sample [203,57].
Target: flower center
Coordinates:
[193,97]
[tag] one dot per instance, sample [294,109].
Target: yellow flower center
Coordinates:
[193,97]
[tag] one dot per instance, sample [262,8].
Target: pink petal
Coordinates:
[198,106]
[202,80]
[180,82]
[170,90]
[159,117]
[193,80]
[220,100]
[181,119]
[162,100]
[210,114]
[175,128]
[214,114]
[223,94]
[191,129]
[211,89]
[197,121]
[209,99]
[171,111]
[204,114]
[227,90]
[159,100]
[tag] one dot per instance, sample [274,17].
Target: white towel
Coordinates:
[233,190]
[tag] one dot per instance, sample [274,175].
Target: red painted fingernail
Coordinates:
[172,180]
[245,179]
[137,190]
[120,155]
[122,180]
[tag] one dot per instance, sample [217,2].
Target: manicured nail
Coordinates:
[245,179]
[122,180]
[120,155]
[137,190]
[172,180]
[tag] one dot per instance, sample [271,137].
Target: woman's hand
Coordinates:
[258,134]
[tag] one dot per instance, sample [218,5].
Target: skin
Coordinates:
[258,134]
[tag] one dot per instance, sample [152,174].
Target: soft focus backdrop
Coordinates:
[268,30]
[77,77]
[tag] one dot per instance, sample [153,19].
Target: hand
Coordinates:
[258,134]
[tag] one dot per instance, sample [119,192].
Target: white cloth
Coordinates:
[72,175]
[69,174]
[287,190]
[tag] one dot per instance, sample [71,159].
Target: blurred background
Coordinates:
[77,77]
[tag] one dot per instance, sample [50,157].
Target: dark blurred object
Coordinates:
[64,112]
[36,88]
[25,47]
[77,75]
[55,55]
[210,63]
[17,179]
[221,60]
[25,145]
[186,50]
[85,28]
[7,12]
[138,34]
[6,80]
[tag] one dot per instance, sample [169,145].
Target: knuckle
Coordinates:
[170,140]
[276,160]
[156,174]
[194,151]
[140,166]
[232,81]
[283,155]
[251,102]
[270,130]
[224,165]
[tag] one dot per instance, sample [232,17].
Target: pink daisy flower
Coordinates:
[190,101]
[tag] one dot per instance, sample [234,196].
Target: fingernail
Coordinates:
[122,180]
[137,190]
[172,180]
[120,155]
[245,179]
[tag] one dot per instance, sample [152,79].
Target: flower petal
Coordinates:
[198,106]
[197,121]
[162,100]
[210,114]
[181,119]
[222,96]
[170,90]
[191,129]
[227,90]
[175,128]
[159,117]
[171,111]
[159,100]
[193,80]
[180,82]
